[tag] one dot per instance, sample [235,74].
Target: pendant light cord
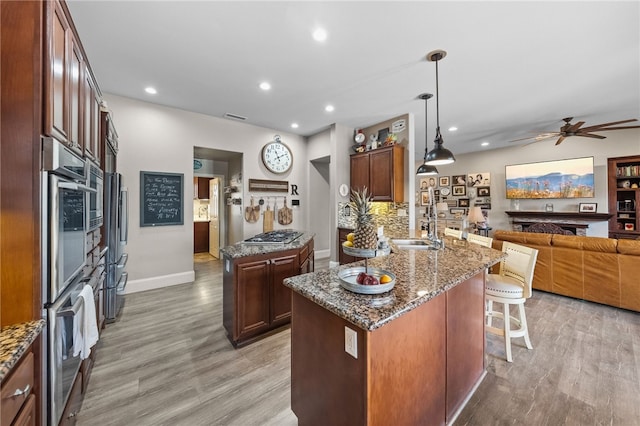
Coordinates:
[438,135]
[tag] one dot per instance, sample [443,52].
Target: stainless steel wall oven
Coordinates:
[95,180]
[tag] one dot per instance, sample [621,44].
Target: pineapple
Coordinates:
[365,234]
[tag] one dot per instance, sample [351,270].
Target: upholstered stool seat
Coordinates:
[512,286]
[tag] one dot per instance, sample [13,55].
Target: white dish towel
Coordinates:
[85,328]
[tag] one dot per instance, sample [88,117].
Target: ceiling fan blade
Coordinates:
[560,139]
[613,123]
[590,135]
[537,137]
[609,128]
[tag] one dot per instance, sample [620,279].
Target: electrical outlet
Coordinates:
[351,342]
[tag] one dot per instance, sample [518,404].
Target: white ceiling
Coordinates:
[513,69]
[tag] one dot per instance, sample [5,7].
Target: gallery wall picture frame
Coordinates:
[587,207]
[484,191]
[459,179]
[458,211]
[425,183]
[463,202]
[479,179]
[382,135]
[452,202]
[444,181]
[458,190]
[424,198]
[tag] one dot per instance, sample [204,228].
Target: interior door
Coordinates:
[214,223]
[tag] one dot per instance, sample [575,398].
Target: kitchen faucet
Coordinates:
[432,221]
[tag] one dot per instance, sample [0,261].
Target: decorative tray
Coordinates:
[348,277]
[358,252]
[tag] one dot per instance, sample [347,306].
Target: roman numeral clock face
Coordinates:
[277,157]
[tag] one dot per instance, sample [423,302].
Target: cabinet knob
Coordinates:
[20,392]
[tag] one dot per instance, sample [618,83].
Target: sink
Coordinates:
[411,244]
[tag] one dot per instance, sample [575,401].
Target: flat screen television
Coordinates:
[572,178]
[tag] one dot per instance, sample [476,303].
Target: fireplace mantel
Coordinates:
[564,216]
[571,222]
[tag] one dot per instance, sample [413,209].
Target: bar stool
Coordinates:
[455,233]
[479,239]
[512,286]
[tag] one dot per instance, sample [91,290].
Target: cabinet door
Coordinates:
[360,171]
[203,188]
[281,268]
[76,134]
[90,115]
[252,301]
[381,175]
[342,257]
[200,237]
[56,99]
[27,416]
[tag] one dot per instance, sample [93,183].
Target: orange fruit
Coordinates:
[385,279]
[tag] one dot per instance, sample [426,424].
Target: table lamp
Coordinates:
[476,217]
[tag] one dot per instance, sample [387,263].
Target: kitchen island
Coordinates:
[419,348]
[254,301]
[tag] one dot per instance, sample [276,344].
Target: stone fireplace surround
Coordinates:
[568,223]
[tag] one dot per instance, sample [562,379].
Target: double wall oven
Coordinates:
[70,208]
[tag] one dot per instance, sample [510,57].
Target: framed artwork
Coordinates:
[436,192]
[479,179]
[484,191]
[425,183]
[382,135]
[587,207]
[452,203]
[444,181]
[458,190]
[457,212]
[459,179]
[424,198]
[463,202]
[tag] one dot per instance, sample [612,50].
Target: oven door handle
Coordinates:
[76,187]
[69,312]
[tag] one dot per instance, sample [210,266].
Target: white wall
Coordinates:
[618,143]
[339,169]
[161,139]
[319,156]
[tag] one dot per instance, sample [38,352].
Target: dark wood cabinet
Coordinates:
[342,257]
[624,197]
[201,188]
[381,171]
[75,83]
[200,237]
[27,416]
[90,116]
[255,301]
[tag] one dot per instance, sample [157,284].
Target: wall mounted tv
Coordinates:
[571,178]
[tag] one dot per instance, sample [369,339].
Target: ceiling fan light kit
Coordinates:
[426,169]
[439,155]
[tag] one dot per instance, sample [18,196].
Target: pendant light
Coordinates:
[438,155]
[426,169]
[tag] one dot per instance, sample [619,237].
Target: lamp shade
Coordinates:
[426,170]
[475,215]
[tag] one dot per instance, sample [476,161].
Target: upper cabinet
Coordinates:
[624,197]
[71,96]
[381,171]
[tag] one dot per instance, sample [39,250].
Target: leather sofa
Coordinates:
[602,270]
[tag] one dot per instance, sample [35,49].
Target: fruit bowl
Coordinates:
[348,281]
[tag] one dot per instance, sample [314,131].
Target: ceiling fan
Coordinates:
[576,129]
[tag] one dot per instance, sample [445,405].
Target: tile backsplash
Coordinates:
[384,214]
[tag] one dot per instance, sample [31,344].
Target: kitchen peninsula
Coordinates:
[254,300]
[419,347]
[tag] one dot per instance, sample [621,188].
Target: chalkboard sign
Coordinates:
[161,199]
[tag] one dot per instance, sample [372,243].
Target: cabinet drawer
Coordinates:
[27,416]
[20,382]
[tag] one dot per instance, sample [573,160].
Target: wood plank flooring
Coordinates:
[167,361]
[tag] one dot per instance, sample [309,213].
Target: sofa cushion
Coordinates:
[631,247]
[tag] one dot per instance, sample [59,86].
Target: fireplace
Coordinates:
[568,223]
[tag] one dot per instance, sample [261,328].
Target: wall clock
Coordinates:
[277,156]
[444,191]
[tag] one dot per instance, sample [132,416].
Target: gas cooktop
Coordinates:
[281,236]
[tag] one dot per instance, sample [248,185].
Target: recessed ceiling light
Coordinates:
[294,125]
[265,86]
[453,128]
[484,144]
[150,90]
[320,34]
[329,108]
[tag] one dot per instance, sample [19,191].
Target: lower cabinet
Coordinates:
[200,237]
[255,301]
[27,416]
[342,237]
[18,393]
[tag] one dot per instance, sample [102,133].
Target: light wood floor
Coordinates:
[167,361]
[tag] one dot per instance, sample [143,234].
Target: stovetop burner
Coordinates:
[281,236]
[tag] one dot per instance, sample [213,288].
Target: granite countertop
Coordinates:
[421,275]
[241,249]
[14,341]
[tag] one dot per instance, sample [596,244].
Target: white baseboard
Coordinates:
[321,254]
[135,286]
